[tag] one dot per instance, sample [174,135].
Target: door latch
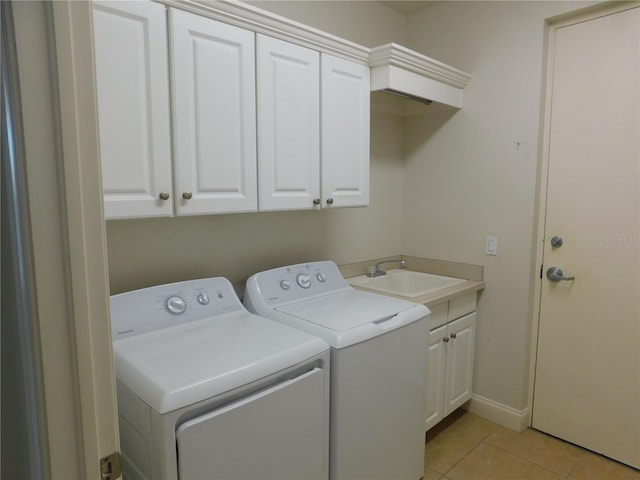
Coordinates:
[111,467]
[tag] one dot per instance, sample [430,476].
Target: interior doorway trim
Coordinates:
[552,26]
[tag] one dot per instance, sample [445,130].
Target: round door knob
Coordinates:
[187,195]
[164,196]
[329,201]
[316,201]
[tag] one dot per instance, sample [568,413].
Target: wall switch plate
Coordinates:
[492,245]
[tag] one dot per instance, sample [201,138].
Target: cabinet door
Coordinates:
[460,362]
[133,106]
[345,133]
[288,125]
[438,340]
[214,115]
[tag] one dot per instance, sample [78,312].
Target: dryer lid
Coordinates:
[175,367]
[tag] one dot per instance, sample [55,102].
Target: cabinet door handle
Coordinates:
[187,195]
[445,339]
[329,201]
[453,335]
[163,196]
[316,201]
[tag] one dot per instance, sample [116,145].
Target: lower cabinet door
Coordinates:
[459,362]
[280,432]
[437,368]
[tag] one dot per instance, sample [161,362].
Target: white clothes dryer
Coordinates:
[379,353]
[207,390]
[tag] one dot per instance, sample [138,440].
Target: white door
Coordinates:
[438,340]
[276,433]
[345,132]
[133,106]
[460,348]
[587,382]
[288,125]
[214,115]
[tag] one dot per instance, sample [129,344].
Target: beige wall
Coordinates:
[365,22]
[473,174]
[439,184]
[153,251]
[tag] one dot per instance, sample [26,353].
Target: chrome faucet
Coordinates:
[379,270]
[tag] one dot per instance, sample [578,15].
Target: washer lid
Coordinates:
[175,367]
[351,316]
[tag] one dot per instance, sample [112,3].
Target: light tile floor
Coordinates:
[467,447]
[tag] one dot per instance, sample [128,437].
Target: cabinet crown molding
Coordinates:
[267,23]
[392,54]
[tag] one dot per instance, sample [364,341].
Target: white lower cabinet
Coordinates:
[451,350]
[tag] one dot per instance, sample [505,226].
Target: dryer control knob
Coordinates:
[304,280]
[285,285]
[176,305]
[203,299]
[321,277]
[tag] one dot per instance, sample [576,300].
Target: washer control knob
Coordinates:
[321,277]
[203,298]
[285,285]
[176,305]
[304,280]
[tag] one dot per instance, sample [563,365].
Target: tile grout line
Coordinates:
[564,477]
[480,442]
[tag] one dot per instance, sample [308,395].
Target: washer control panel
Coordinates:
[297,282]
[164,306]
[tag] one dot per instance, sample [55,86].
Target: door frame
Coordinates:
[71,294]
[97,415]
[551,27]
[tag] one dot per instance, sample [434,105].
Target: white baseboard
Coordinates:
[508,417]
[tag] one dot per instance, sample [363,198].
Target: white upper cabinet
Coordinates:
[214,112]
[133,104]
[205,117]
[345,133]
[288,125]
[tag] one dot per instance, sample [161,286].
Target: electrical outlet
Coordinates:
[492,245]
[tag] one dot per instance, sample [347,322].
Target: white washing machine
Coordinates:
[379,352]
[207,390]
